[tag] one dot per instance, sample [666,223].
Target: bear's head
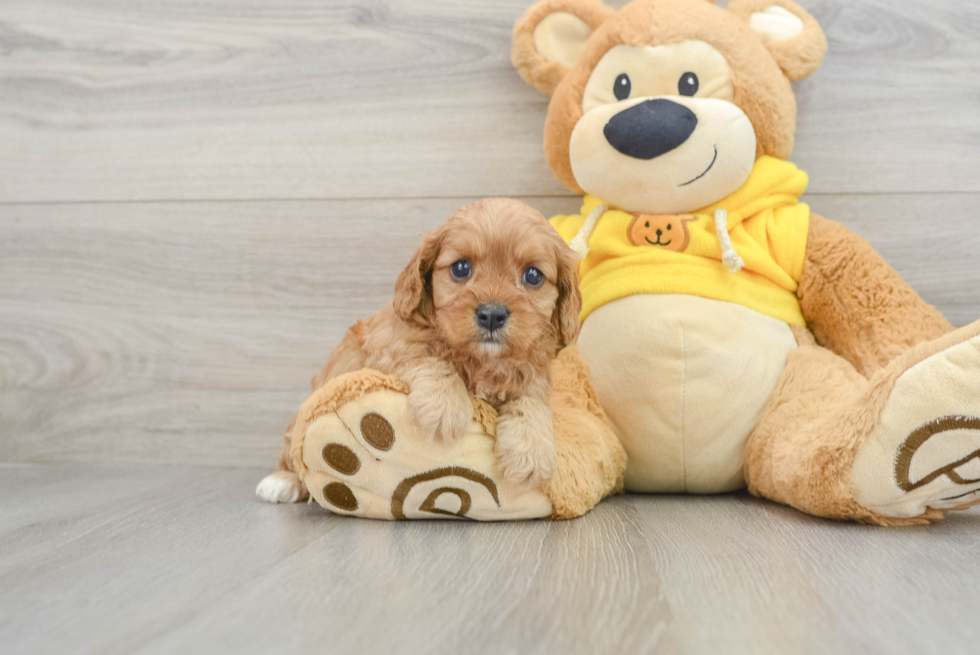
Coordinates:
[664,106]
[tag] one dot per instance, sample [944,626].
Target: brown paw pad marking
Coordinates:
[429,504]
[339,495]
[903,463]
[341,458]
[377,431]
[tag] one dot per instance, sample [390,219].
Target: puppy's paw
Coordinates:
[281,487]
[526,443]
[443,411]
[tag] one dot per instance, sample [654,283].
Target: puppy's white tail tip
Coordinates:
[280,487]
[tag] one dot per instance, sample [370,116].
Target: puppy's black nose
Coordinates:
[491,316]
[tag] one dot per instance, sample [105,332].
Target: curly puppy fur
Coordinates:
[429,337]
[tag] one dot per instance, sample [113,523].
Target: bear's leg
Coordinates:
[800,452]
[591,459]
[360,452]
[357,448]
[900,448]
[856,304]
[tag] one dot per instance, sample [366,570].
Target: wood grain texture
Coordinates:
[141,332]
[245,99]
[197,197]
[187,332]
[165,560]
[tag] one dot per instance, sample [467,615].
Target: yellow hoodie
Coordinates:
[768,226]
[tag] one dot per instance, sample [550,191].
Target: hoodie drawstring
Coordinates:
[729,257]
[580,244]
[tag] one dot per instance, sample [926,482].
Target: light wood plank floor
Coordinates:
[197,197]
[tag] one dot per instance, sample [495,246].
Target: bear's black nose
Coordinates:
[651,128]
[491,316]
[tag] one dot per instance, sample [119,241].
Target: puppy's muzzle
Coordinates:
[492,316]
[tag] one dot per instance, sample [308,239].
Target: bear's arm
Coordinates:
[856,304]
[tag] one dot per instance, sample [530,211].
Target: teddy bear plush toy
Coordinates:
[733,338]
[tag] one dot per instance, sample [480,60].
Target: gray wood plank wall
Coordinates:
[196,198]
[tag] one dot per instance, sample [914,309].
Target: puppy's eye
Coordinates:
[622,87]
[533,277]
[461,270]
[688,84]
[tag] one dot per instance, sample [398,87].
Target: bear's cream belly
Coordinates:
[684,381]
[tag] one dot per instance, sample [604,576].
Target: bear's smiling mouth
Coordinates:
[657,242]
[713,160]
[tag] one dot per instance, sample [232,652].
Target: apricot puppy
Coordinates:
[485,304]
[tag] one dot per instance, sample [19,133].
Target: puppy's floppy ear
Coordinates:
[569,304]
[791,35]
[551,37]
[413,290]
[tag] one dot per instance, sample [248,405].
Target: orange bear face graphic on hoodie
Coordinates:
[665,231]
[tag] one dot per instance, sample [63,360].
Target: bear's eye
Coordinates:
[647,224]
[533,277]
[668,226]
[622,87]
[688,84]
[460,270]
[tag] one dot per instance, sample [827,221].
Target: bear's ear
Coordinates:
[551,37]
[790,34]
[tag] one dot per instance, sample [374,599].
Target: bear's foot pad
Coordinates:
[368,458]
[925,452]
